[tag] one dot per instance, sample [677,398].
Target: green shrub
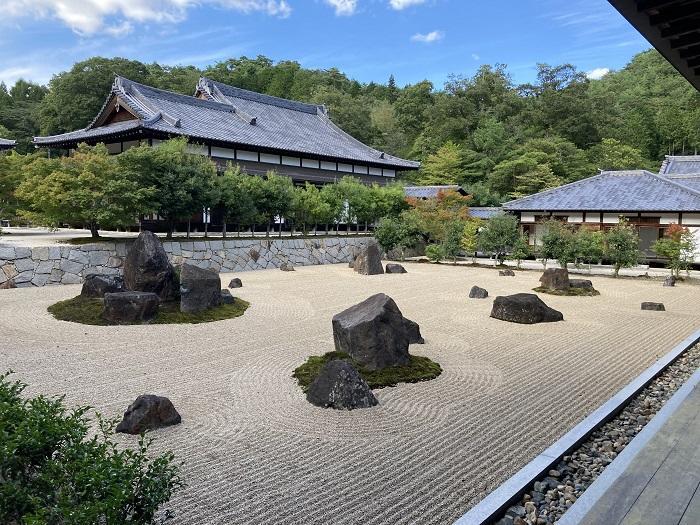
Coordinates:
[55,470]
[434,252]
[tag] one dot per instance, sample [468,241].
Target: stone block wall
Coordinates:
[48,265]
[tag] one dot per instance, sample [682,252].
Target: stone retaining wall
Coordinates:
[45,265]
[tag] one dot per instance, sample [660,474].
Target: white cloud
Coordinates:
[343,7]
[403,4]
[428,38]
[598,73]
[87,17]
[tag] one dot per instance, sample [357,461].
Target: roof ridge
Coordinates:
[667,180]
[264,98]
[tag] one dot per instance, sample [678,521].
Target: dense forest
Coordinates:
[497,139]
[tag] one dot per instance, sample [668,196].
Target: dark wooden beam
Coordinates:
[648,5]
[690,52]
[674,12]
[685,40]
[681,27]
[694,62]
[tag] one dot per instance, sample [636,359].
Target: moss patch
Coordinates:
[89,311]
[419,369]
[570,292]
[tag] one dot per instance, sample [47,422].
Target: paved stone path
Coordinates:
[256,452]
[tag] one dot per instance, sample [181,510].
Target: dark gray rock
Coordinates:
[338,385]
[670,281]
[130,307]
[148,412]
[227,298]
[413,330]
[555,279]
[655,307]
[235,283]
[369,260]
[395,268]
[147,269]
[506,273]
[373,333]
[478,293]
[97,285]
[581,283]
[286,267]
[524,308]
[199,289]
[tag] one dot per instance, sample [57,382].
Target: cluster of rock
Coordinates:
[150,279]
[524,308]
[557,280]
[367,259]
[549,498]
[376,335]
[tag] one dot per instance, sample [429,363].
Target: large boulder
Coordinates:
[581,283]
[199,289]
[373,333]
[369,260]
[478,293]
[524,308]
[130,307]
[97,285]
[654,307]
[395,268]
[235,283]
[413,330]
[338,385]
[147,269]
[147,413]
[555,279]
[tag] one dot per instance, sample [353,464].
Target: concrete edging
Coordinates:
[495,504]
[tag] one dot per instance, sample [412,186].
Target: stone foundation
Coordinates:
[46,265]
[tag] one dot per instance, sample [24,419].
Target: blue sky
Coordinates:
[367,39]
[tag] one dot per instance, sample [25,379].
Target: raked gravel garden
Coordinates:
[254,449]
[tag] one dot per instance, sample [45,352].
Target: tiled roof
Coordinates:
[484,212]
[634,190]
[7,143]
[236,116]
[680,165]
[428,192]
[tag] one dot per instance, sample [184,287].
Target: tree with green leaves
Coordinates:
[445,166]
[499,235]
[334,205]
[611,154]
[398,233]
[181,183]
[452,242]
[12,174]
[622,246]
[470,236]
[237,191]
[558,242]
[87,188]
[679,247]
[590,245]
[276,199]
[520,250]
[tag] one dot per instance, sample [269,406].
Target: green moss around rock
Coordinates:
[569,292]
[89,311]
[419,369]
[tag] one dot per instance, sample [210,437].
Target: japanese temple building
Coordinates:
[6,144]
[258,132]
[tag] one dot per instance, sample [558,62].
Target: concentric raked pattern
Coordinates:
[256,452]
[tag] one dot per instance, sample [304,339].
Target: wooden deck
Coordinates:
[661,486]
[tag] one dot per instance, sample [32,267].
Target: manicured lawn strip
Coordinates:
[89,311]
[419,369]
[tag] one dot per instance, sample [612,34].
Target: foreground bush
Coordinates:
[52,472]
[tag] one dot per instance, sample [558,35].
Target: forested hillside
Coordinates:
[498,139]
